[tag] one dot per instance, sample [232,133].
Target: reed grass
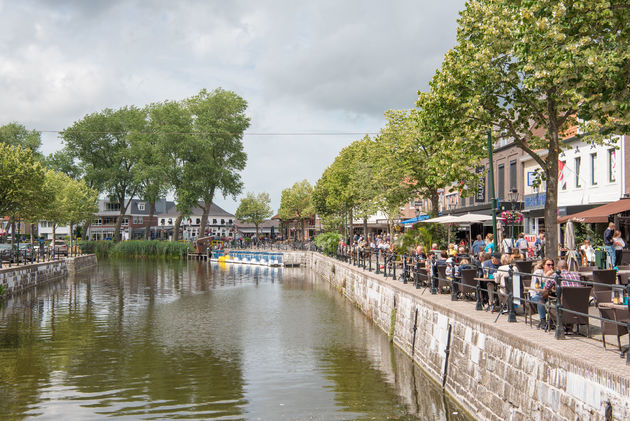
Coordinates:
[137,248]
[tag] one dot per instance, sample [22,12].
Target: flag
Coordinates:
[562,181]
[613,165]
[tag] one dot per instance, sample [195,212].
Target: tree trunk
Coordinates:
[204,221]
[54,232]
[117,228]
[147,226]
[365,229]
[12,232]
[435,204]
[256,230]
[351,223]
[86,230]
[551,204]
[71,235]
[178,222]
[32,231]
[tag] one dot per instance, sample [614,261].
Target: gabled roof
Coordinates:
[215,211]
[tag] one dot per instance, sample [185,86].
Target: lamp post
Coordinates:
[513,196]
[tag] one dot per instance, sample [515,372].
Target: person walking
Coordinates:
[608,245]
[521,244]
[618,245]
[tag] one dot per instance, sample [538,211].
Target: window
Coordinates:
[230,222]
[612,165]
[214,221]
[513,175]
[137,220]
[501,182]
[125,221]
[170,221]
[594,169]
[112,206]
[141,206]
[162,221]
[578,165]
[198,221]
[223,222]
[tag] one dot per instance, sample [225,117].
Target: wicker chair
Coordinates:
[609,328]
[603,294]
[575,299]
[442,281]
[468,280]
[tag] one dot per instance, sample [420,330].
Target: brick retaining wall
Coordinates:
[496,371]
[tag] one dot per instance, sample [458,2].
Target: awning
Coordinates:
[599,214]
[446,219]
[473,218]
[415,219]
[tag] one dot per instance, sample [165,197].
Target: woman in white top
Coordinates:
[618,245]
[588,252]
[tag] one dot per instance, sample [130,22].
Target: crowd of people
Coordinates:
[492,266]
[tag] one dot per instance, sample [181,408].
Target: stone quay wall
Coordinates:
[494,373]
[17,279]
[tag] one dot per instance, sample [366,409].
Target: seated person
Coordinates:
[489,267]
[502,275]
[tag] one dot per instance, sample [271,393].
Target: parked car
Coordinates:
[26,251]
[59,246]
[9,254]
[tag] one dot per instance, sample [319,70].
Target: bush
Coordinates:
[137,248]
[328,242]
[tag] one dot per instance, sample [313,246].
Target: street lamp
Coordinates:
[513,197]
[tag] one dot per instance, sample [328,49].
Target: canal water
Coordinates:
[191,340]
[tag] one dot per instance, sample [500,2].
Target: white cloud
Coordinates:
[317,66]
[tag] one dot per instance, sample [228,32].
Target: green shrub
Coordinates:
[328,242]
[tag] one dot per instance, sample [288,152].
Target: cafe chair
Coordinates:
[423,276]
[469,285]
[575,299]
[603,294]
[442,281]
[609,328]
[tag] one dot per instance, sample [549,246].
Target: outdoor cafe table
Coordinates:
[614,306]
[589,274]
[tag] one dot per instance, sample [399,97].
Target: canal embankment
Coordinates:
[497,371]
[17,279]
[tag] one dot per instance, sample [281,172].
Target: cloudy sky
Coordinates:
[326,66]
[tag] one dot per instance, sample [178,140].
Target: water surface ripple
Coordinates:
[189,340]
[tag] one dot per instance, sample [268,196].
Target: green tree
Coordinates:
[21,182]
[55,211]
[296,205]
[63,161]
[102,142]
[16,134]
[530,69]
[213,156]
[79,203]
[171,121]
[254,209]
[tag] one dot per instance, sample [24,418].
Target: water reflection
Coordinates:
[157,339]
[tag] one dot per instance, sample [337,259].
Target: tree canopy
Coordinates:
[254,209]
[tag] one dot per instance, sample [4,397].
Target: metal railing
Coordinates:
[13,257]
[424,273]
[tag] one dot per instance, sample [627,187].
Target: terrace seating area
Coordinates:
[585,303]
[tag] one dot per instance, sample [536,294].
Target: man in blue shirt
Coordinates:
[478,245]
[608,244]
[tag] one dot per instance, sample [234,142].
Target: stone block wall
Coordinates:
[495,375]
[17,279]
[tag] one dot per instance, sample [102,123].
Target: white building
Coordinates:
[220,223]
[589,175]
